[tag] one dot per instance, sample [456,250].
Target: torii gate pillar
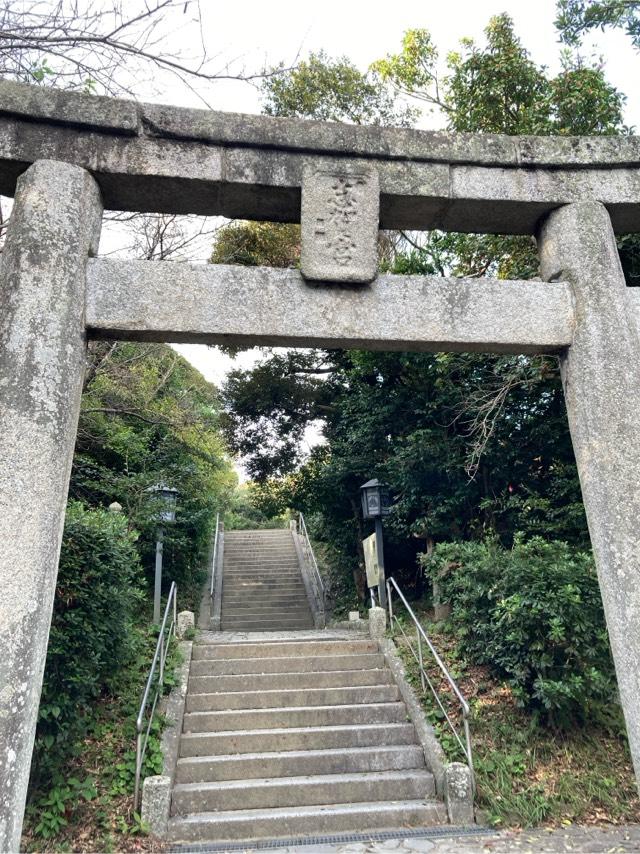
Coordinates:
[601,379]
[54,227]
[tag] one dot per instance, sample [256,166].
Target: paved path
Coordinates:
[584,840]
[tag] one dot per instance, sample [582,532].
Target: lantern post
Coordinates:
[376,503]
[169,497]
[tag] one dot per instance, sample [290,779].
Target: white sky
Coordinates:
[251,35]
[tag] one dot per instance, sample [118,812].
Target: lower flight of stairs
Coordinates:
[262,586]
[289,738]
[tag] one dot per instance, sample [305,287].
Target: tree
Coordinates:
[578,17]
[469,443]
[147,417]
[333,90]
[109,47]
[103,47]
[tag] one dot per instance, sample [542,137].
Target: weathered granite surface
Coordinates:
[377,623]
[156,803]
[151,157]
[54,225]
[458,794]
[186,622]
[601,379]
[221,128]
[340,216]
[152,300]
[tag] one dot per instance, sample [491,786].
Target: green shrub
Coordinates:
[533,614]
[92,637]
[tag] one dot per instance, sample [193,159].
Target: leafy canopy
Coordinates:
[333,90]
[497,88]
[578,17]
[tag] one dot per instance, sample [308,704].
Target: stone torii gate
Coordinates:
[64,156]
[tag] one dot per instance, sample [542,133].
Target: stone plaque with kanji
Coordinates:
[340,215]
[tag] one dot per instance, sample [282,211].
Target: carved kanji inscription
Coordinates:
[340,212]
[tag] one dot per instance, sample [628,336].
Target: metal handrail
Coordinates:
[309,556]
[214,559]
[421,637]
[158,663]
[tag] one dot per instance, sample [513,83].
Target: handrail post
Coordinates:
[175,614]
[136,791]
[418,638]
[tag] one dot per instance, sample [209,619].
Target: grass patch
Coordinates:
[528,774]
[87,804]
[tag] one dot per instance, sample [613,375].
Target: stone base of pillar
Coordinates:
[377,623]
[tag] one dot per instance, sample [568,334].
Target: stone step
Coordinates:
[270,560]
[298,716]
[258,553]
[268,615]
[260,550]
[274,681]
[295,603]
[272,581]
[258,533]
[273,568]
[237,624]
[254,595]
[308,821]
[284,649]
[222,665]
[299,763]
[297,606]
[277,573]
[343,736]
[259,590]
[302,791]
[261,587]
[287,698]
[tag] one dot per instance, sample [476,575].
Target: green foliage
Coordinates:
[97,598]
[498,88]
[148,417]
[50,813]
[578,17]
[254,244]
[471,444]
[248,512]
[333,90]
[533,614]
[270,406]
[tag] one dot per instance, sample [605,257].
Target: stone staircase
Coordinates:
[295,736]
[262,586]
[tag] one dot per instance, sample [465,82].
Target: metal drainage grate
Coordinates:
[334,839]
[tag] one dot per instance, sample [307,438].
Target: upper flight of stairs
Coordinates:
[262,586]
[284,738]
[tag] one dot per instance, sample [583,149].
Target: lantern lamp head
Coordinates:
[169,497]
[376,499]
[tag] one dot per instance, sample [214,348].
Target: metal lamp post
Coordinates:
[376,503]
[169,497]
